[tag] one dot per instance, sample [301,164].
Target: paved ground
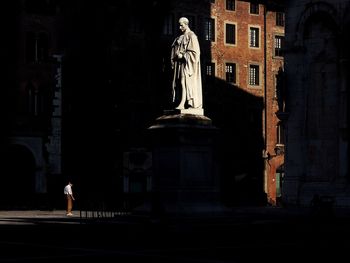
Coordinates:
[34,217]
[246,235]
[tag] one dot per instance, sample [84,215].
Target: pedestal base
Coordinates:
[185,179]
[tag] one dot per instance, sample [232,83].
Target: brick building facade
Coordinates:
[250,61]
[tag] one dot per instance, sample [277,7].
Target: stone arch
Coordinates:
[320,8]
[34,146]
[319,36]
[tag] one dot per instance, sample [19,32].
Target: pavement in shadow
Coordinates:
[245,235]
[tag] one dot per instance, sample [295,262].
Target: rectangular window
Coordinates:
[254,75]
[209,30]
[280,134]
[168,25]
[231,73]
[279,19]
[230,5]
[210,69]
[210,72]
[230,34]
[254,8]
[279,42]
[254,37]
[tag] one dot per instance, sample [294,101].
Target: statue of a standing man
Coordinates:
[185,61]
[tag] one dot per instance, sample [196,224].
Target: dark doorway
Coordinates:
[18,178]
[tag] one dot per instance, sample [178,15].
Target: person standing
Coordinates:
[185,62]
[68,192]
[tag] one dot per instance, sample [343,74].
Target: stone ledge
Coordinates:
[175,118]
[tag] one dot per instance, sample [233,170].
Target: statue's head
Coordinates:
[183,21]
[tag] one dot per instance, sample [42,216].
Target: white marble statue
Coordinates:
[185,61]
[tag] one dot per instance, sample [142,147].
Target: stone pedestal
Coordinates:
[185,172]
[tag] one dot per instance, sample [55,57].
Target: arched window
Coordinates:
[34,100]
[37,47]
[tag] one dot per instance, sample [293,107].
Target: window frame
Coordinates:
[234,72]
[278,50]
[254,81]
[234,33]
[280,134]
[210,29]
[254,6]
[280,19]
[230,5]
[251,43]
[212,66]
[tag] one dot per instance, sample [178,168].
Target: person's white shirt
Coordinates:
[68,189]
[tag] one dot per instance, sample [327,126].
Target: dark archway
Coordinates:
[18,178]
